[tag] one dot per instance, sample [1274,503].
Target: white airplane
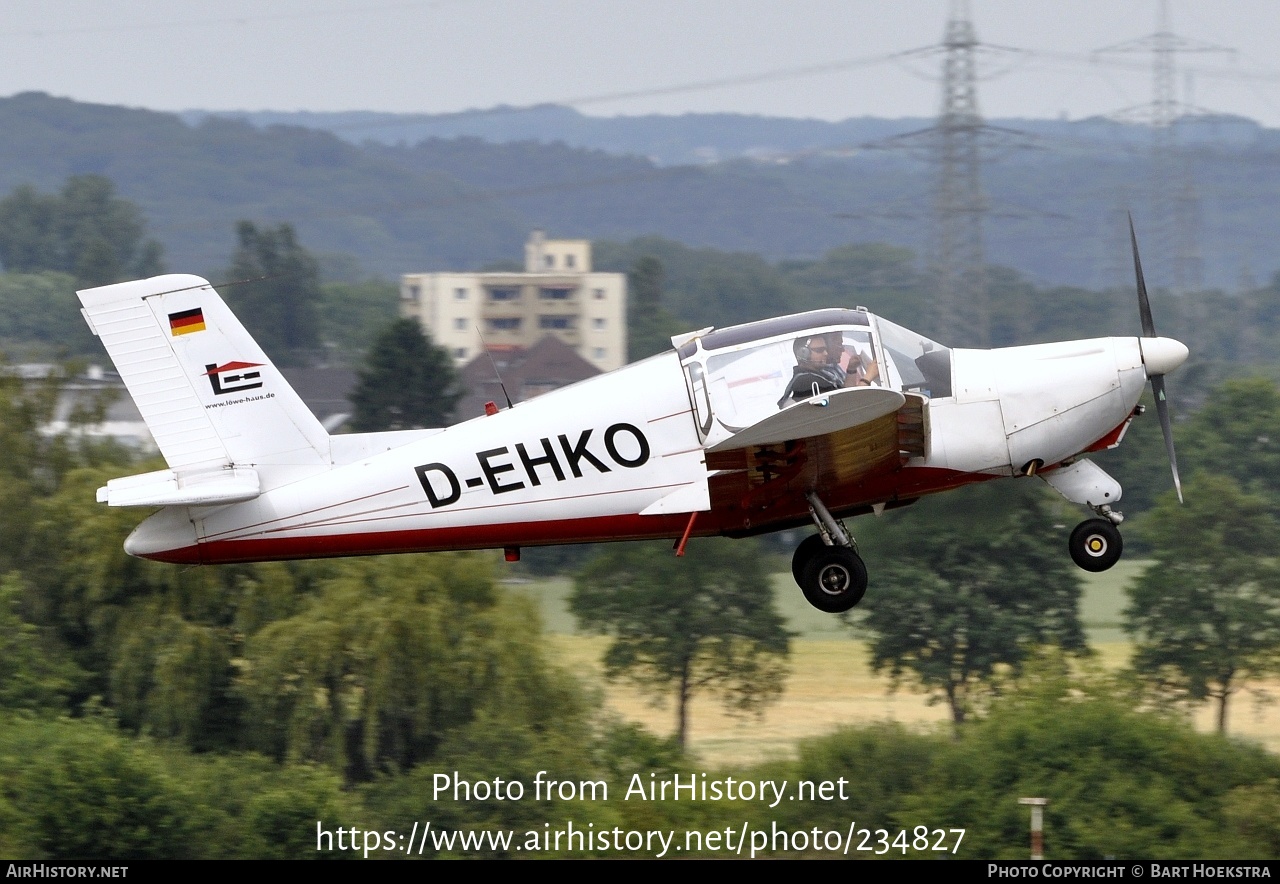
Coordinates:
[742,430]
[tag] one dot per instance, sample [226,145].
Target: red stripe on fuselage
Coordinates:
[901,485]
[262,549]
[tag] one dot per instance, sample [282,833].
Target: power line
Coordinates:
[365,9]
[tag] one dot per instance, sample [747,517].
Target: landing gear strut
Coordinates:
[826,566]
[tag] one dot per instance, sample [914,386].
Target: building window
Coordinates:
[459,352]
[460,324]
[555,322]
[459,294]
[598,294]
[548,293]
[597,353]
[548,260]
[504,323]
[570,261]
[412,292]
[504,293]
[597,324]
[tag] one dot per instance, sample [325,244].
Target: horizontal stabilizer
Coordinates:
[183,488]
[817,416]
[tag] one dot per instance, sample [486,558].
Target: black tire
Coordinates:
[805,551]
[834,579]
[1095,545]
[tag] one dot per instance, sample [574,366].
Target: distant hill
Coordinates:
[778,188]
[693,139]
[686,139]
[195,182]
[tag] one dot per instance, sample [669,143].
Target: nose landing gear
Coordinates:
[1095,544]
[828,569]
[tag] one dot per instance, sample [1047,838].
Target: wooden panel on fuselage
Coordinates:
[768,483]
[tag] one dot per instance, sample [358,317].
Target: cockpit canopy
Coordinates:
[741,375]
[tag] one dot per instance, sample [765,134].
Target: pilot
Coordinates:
[818,367]
[824,364]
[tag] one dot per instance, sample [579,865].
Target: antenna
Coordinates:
[494,363]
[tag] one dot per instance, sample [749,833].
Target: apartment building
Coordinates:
[558,294]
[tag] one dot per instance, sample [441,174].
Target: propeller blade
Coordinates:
[1157,380]
[1144,305]
[1162,410]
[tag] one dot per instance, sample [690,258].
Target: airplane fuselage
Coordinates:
[624,456]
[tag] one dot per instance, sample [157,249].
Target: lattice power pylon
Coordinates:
[1175,203]
[955,146]
[956,258]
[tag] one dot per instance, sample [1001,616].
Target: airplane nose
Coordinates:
[1162,355]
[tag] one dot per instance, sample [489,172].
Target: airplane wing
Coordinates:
[867,435]
[818,416]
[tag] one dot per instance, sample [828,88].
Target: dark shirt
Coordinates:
[806,378]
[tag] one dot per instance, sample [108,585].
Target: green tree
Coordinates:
[352,315]
[85,230]
[968,586]
[1120,782]
[406,382]
[1206,616]
[276,291]
[35,462]
[878,276]
[395,657]
[86,791]
[40,314]
[33,675]
[649,325]
[171,676]
[159,643]
[1237,434]
[704,622]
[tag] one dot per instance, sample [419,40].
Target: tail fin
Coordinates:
[207,392]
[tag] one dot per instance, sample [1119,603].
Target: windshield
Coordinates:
[913,362]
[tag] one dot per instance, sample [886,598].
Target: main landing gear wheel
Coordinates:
[1096,545]
[834,579]
[805,551]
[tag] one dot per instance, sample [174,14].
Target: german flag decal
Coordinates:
[186,322]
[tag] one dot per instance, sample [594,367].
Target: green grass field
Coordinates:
[831,683]
[1104,600]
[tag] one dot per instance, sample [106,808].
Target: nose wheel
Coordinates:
[1096,544]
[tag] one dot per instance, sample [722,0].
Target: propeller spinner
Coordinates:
[1160,356]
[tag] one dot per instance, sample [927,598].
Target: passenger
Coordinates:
[863,370]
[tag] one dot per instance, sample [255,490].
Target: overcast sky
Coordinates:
[666,56]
